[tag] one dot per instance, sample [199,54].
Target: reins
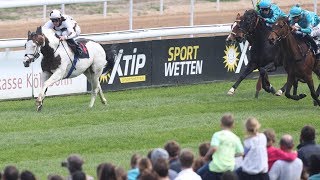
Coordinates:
[68,55]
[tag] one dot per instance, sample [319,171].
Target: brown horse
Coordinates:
[299,61]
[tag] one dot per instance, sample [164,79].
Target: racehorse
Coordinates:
[300,61]
[264,57]
[59,61]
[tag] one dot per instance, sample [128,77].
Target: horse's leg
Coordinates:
[258,87]
[265,81]
[96,88]
[246,72]
[281,90]
[290,81]
[90,77]
[314,95]
[295,87]
[316,70]
[101,95]
[39,101]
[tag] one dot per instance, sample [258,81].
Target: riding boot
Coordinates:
[313,44]
[74,46]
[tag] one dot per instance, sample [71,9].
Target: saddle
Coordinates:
[80,43]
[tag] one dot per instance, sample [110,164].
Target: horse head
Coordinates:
[280,30]
[236,35]
[35,41]
[249,22]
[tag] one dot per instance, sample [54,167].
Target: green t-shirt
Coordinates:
[227,144]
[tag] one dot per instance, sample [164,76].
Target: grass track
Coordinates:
[136,121]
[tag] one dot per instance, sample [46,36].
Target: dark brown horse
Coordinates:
[264,56]
[299,60]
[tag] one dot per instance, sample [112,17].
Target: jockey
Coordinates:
[65,27]
[305,23]
[270,12]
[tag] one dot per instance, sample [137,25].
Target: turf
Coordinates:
[135,121]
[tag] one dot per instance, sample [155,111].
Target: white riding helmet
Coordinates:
[55,14]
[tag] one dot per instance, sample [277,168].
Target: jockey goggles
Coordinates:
[265,9]
[54,20]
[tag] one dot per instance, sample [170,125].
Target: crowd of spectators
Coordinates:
[224,158]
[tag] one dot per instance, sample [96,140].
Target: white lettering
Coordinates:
[183,68]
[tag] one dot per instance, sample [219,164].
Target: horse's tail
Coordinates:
[110,57]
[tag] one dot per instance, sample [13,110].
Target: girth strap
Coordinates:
[73,66]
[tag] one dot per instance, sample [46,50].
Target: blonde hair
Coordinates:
[252,126]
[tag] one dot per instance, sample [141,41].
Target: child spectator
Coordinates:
[225,145]
[134,163]
[255,162]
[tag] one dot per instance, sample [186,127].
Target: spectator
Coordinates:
[148,175]
[314,169]
[307,147]
[74,163]
[106,171]
[255,161]
[144,164]
[27,175]
[283,170]
[186,159]
[55,177]
[161,167]
[229,175]
[161,153]
[200,161]
[173,149]
[78,175]
[274,153]
[134,171]
[225,145]
[121,174]
[10,173]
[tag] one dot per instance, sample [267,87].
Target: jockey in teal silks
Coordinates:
[305,23]
[269,11]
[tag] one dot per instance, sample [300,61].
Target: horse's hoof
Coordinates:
[231,91]
[257,94]
[301,96]
[104,101]
[278,93]
[39,108]
[272,90]
[315,103]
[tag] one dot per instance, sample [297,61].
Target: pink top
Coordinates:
[275,154]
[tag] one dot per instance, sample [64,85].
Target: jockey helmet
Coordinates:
[55,14]
[265,4]
[295,11]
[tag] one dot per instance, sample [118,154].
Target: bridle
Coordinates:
[232,26]
[33,56]
[36,53]
[279,37]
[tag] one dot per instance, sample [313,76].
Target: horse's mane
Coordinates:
[250,15]
[285,19]
[49,33]
[250,18]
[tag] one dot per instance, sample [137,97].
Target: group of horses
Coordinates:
[272,47]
